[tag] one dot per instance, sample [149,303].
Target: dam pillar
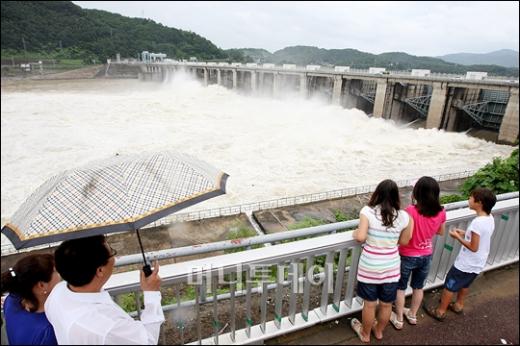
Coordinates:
[261,82]
[437,103]
[276,84]
[253,81]
[219,77]
[349,96]
[336,91]
[234,78]
[303,85]
[379,102]
[508,132]
[455,98]
[205,76]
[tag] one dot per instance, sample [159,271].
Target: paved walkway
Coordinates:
[491,315]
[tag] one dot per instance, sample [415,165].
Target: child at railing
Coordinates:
[382,225]
[429,219]
[476,242]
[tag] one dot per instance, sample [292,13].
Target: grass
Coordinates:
[241,231]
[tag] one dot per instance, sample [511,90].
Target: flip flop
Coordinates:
[356,327]
[452,307]
[411,319]
[432,311]
[395,322]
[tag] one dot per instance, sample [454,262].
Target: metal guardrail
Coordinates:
[293,309]
[7,248]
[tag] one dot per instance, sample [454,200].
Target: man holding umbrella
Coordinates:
[82,313]
[78,206]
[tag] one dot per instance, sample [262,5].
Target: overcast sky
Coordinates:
[418,28]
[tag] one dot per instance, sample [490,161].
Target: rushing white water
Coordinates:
[270,148]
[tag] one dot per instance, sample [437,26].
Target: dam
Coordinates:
[450,102]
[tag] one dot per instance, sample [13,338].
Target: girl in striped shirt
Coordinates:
[382,227]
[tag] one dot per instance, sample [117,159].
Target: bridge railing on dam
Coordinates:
[326,69]
[266,292]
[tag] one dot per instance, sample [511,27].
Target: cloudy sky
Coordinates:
[418,28]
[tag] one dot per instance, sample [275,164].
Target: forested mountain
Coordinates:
[61,26]
[304,55]
[503,57]
[61,29]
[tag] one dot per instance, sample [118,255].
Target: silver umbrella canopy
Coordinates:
[119,194]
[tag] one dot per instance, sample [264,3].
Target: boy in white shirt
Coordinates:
[476,242]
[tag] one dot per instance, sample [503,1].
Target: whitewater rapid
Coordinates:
[270,148]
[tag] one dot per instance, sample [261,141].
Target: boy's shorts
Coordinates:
[456,280]
[386,292]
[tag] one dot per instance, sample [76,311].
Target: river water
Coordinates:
[270,148]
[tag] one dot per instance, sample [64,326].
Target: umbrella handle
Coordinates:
[147,270]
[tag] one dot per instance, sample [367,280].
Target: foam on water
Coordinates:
[270,148]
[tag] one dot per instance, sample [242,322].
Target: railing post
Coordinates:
[328,282]
[339,279]
[307,288]
[294,279]
[249,321]
[280,274]
[352,273]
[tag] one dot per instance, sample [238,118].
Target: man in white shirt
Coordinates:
[83,314]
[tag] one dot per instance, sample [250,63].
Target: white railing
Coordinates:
[235,319]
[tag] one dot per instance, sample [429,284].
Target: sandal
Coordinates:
[411,319]
[432,311]
[456,310]
[395,322]
[356,327]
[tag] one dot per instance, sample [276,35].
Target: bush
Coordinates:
[452,198]
[127,302]
[500,176]
[341,216]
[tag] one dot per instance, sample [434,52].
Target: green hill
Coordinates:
[502,57]
[62,28]
[304,55]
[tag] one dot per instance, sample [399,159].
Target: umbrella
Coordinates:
[119,194]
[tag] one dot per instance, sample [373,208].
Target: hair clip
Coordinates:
[11,270]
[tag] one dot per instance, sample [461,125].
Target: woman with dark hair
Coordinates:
[29,283]
[429,219]
[382,225]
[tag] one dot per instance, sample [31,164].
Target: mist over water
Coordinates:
[270,148]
